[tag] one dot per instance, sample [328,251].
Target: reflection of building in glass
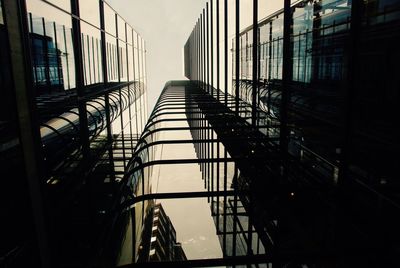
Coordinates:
[160,242]
[47,68]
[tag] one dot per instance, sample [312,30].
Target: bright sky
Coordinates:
[166,25]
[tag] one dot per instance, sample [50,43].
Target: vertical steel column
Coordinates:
[85,78]
[235,209]
[196,53]
[93,61]
[255,65]
[134,79]
[286,78]
[218,69]
[207,49]
[199,51]
[204,50]
[57,58]
[208,91]
[193,54]
[77,44]
[140,85]
[129,86]
[142,101]
[212,49]
[258,65]
[218,98]
[144,81]
[226,50]
[33,60]
[212,94]
[270,59]
[351,87]
[88,58]
[46,60]
[344,178]
[105,82]
[224,227]
[66,58]
[285,96]
[202,84]
[254,119]
[15,15]
[121,134]
[237,53]
[196,63]
[142,105]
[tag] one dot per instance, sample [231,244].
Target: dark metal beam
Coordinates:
[212,48]
[226,52]
[15,14]
[175,195]
[237,54]
[218,49]
[208,47]
[255,64]
[105,82]
[79,76]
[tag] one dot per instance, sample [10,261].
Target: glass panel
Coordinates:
[63,4]
[302,42]
[129,34]
[37,25]
[41,9]
[52,54]
[91,51]
[1,13]
[89,11]
[130,63]
[109,20]
[121,29]
[277,47]
[136,56]
[112,62]
[69,57]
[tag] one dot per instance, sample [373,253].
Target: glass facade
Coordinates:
[76,70]
[302,79]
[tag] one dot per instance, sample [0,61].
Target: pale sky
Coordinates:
[166,25]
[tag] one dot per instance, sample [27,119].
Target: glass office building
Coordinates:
[314,85]
[278,151]
[74,103]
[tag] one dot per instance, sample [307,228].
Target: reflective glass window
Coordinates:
[1,13]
